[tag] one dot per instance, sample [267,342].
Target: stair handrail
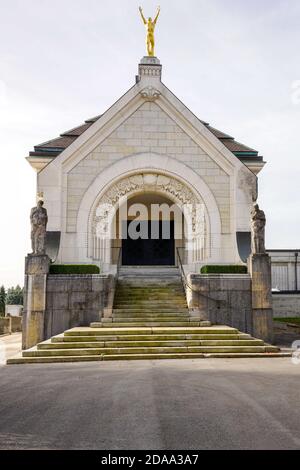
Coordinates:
[119,262]
[182,272]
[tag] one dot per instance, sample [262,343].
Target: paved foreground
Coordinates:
[10,345]
[170,404]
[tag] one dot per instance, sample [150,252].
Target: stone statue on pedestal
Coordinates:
[258,222]
[38,219]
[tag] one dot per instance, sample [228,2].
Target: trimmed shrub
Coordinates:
[74,269]
[219,269]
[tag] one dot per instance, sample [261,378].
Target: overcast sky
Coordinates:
[234,63]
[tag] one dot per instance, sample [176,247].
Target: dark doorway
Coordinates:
[157,249]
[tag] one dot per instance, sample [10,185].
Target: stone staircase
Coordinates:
[150,320]
[150,297]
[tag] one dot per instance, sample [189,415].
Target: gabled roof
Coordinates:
[53,147]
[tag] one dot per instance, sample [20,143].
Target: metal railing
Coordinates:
[119,263]
[182,272]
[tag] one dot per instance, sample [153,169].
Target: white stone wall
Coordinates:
[13,310]
[286,305]
[149,129]
[138,134]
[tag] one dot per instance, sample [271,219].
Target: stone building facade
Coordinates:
[149,166]
[147,147]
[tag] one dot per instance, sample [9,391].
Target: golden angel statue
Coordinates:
[150,26]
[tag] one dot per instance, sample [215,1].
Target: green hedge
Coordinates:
[74,269]
[295,320]
[219,269]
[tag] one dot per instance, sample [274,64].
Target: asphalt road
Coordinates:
[169,404]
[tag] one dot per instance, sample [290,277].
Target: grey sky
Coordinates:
[232,62]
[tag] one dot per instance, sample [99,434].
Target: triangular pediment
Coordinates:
[74,145]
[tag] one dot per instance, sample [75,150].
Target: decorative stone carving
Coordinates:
[159,182]
[39,220]
[152,182]
[150,93]
[150,70]
[258,222]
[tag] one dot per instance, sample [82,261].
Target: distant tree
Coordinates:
[2,300]
[14,296]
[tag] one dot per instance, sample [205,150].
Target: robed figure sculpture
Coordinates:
[38,219]
[258,222]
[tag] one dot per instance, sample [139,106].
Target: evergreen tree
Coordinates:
[14,296]
[2,300]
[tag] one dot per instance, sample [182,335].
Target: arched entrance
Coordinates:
[150,227]
[149,216]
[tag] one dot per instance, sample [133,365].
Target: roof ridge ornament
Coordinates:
[150,93]
[149,68]
[150,27]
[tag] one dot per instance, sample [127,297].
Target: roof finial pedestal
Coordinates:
[149,67]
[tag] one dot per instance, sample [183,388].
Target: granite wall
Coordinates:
[223,299]
[74,300]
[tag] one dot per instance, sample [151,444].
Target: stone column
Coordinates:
[259,266]
[36,270]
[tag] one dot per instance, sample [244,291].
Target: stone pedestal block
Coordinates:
[36,271]
[259,266]
[223,299]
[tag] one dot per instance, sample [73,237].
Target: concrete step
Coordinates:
[152,337]
[167,274]
[176,290]
[133,343]
[151,318]
[132,301]
[143,295]
[144,272]
[134,357]
[181,303]
[146,344]
[96,330]
[52,359]
[174,285]
[150,305]
[148,281]
[145,323]
[147,312]
[126,357]
[164,307]
[125,287]
[35,352]
[150,300]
